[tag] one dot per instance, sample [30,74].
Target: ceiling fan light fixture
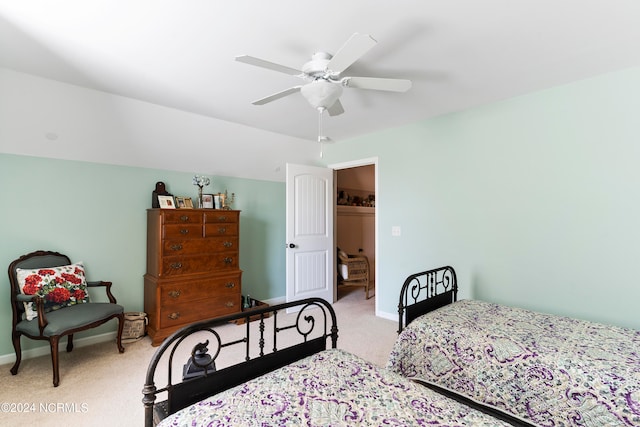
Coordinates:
[321,94]
[323,72]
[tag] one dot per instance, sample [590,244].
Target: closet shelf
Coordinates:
[345,209]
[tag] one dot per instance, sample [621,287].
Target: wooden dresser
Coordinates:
[192,268]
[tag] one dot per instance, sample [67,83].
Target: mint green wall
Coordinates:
[534,200]
[97,214]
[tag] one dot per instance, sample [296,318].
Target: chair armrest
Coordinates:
[96,283]
[106,285]
[26,298]
[39,302]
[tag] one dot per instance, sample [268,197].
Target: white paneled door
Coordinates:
[309,228]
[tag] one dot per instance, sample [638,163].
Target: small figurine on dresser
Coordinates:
[226,201]
[159,191]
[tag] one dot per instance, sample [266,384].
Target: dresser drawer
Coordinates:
[182,217]
[197,289]
[182,231]
[220,229]
[221,216]
[219,262]
[191,311]
[200,246]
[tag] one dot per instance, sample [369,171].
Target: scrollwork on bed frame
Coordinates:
[211,380]
[426,291]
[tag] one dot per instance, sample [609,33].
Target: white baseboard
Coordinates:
[388,316]
[45,350]
[274,301]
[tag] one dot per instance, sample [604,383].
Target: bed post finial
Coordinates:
[148,399]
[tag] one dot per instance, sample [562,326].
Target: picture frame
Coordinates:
[207,201]
[184,202]
[166,202]
[217,201]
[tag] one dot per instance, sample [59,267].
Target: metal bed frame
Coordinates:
[426,291]
[208,380]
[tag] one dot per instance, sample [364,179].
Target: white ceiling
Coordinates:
[180,53]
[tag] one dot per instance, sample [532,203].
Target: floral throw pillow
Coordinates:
[59,286]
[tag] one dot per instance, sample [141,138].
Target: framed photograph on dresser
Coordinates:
[166,202]
[184,202]
[207,201]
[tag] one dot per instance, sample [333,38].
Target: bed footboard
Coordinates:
[196,353]
[424,292]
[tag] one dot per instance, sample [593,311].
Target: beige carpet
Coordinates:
[101,387]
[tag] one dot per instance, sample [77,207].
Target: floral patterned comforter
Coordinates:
[330,388]
[550,370]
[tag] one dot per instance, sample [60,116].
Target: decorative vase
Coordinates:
[199,197]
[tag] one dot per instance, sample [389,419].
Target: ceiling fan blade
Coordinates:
[277,95]
[267,64]
[350,52]
[336,109]
[375,83]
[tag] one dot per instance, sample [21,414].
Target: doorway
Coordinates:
[356,226]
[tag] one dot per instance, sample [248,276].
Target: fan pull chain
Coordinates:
[320,135]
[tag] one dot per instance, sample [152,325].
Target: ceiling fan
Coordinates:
[323,74]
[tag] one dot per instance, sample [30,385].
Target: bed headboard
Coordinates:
[308,332]
[426,291]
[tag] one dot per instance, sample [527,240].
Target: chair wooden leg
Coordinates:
[366,286]
[69,343]
[16,346]
[119,336]
[53,342]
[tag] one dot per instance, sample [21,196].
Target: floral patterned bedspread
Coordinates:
[330,388]
[550,370]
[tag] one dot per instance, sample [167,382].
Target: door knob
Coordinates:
[291,245]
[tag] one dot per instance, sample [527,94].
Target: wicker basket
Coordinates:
[256,304]
[134,327]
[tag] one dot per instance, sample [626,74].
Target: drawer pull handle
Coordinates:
[227,244]
[222,218]
[184,218]
[228,260]
[222,230]
[176,247]
[174,294]
[176,265]
[184,231]
[230,285]
[229,304]
[174,316]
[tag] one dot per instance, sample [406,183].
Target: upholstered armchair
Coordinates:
[50,299]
